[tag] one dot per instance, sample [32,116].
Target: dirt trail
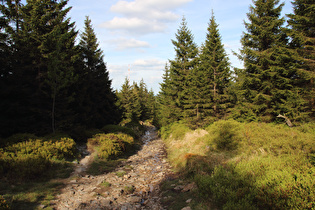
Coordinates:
[134,185]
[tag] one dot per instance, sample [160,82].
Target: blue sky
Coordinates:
[137,34]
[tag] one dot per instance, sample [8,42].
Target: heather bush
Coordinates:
[110,145]
[119,129]
[176,131]
[225,135]
[31,159]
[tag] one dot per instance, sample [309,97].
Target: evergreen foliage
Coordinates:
[270,71]
[136,102]
[95,99]
[41,66]
[181,68]
[175,87]
[213,75]
[166,106]
[302,32]
[49,84]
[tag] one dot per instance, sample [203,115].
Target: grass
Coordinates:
[99,167]
[176,200]
[105,184]
[121,173]
[31,194]
[129,189]
[248,165]
[180,150]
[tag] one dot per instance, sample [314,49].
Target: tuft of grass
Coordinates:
[120,173]
[129,189]
[179,151]
[105,184]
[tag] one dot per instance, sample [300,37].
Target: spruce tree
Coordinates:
[181,67]
[212,77]
[302,32]
[269,73]
[95,99]
[48,35]
[6,59]
[42,42]
[166,106]
[129,103]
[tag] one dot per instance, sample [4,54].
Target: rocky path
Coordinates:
[134,185]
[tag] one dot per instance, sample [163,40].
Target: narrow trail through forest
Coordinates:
[132,185]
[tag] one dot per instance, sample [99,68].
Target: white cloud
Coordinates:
[144,16]
[123,43]
[122,6]
[151,70]
[134,25]
[148,65]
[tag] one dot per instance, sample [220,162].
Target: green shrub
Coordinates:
[16,138]
[225,134]
[136,127]
[55,137]
[81,134]
[280,182]
[110,145]
[30,159]
[3,203]
[225,187]
[176,130]
[119,129]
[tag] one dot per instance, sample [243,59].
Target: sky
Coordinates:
[135,35]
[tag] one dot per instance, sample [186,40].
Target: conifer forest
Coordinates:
[259,148]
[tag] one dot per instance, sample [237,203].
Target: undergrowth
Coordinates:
[248,165]
[33,158]
[110,145]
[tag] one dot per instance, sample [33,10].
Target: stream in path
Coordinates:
[133,185]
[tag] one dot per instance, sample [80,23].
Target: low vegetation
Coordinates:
[31,159]
[248,165]
[110,145]
[31,166]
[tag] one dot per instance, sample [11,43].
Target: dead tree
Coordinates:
[286,120]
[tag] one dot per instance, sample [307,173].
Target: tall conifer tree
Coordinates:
[95,99]
[181,67]
[302,32]
[49,37]
[269,73]
[213,75]
[166,105]
[43,41]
